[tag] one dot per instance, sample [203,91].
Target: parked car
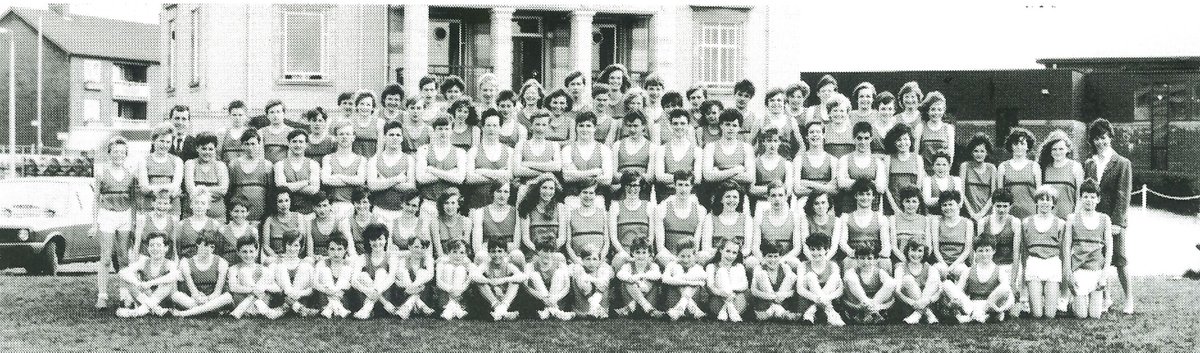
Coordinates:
[44,222]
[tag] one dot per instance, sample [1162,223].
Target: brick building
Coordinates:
[97,75]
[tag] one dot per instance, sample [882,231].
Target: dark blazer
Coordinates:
[188,152]
[1114,188]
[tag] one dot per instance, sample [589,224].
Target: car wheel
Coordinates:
[46,262]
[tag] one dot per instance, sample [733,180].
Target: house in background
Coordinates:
[306,54]
[97,75]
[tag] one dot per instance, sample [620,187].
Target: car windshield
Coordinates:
[25,199]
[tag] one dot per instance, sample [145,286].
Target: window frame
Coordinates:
[172,56]
[195,48]
[323,62]
[736,44]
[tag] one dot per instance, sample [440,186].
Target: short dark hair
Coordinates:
[451,82]
[980,139]
[671,98]
[894,135]
[1096,129]
[1002,195]
[744,86]
[1017,134]
[818,240]
[949,195]
[559,93]
[731,115]
[506,95]
[236,104]
[1089,186]
[882,98]
[206,138]
[392,89]
[771,93]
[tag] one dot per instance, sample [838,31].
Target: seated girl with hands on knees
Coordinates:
[332,278]
[639,281]
[293,277]
[150,279]
[590,284]
[727,282]
[983,292]
[202,287]
[248,283]
[454,278]
[498,280]
[819,282]
[684,281]
[919,284]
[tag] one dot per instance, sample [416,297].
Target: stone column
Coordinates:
[663,29]
[502,46]
[416,45]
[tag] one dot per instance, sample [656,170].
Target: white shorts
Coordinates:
[342,210]
[112,221]
[1043,270]
[388,217]
[1087,281]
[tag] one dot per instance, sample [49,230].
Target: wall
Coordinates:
[55,85]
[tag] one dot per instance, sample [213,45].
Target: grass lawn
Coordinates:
[55,313]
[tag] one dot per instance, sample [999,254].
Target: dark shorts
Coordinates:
[1118,254]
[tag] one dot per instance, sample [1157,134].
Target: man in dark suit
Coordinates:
[1114,175]
[184,145]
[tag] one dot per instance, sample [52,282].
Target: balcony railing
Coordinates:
[131,91]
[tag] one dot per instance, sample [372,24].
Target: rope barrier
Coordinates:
[1169,197]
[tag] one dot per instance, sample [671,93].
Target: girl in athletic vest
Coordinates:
[590,284]
[983,292]
[920,285]
[1089,243]
[150,279]
[684,281]
[202,289]
[819,281]
[454,278]
[639,280]
[678,219]
[1040,255]
[332,277]
[497,223]
[498,280]
[772,286]
[114,214]
[298,174]
[727,282]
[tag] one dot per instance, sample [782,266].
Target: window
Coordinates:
[303,45]
[92,70]
[129,73]
[719,53]
[131,110]
[171,51]
[91,110]
[195,46]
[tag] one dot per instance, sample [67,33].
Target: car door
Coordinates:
[79,221]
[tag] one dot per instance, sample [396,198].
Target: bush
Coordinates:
[1168,183]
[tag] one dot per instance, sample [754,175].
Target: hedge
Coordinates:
[1168,183]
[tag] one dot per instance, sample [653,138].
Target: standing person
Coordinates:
[629,218]
[883,119]
[1020,175]
[864,228]
[416,130]
[796,94]
[1113,175]
[343,171]
[770,167]
[332,276]
[827,88]
[590,278]
[150,279]
[464,124]
[184,144]
[250,176]
[910,100]
[489,161]
[821,219]
[440,166]
[772,285]
[532,97]
[298,174]
[937,131]
[864,101]
[728,159]
[562,115]
[814,168]
[392,100]
[730,222]
[486,86]
[905,169]
[584,160]
[616,77]
[780,225]
[497,223]
[919,285]
[207,171]
[1040,255]
[511,131]
[320,140]
[708,122]
[654,87]
[727,282]
[940,181]
[577,85]
[1005,230]
[588,226]
[274,136]
[498,281]
[634,153]
[840,131]
[660,127]
[202,279]
[777,118]
[113,214]
[603,107]
[952,237]
[1088,240]
[231,148]
[366,124]
[819,281]
[345,107]
[743,91]
[860,165]
[1061,172]
[678,220]
[543,216]
[536,155]
[390,173]
[909,225]
[979,176]
[160,171]
[679,153]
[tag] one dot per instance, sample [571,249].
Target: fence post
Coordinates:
[1145,190]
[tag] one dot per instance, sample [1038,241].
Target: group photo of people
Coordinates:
[601,197]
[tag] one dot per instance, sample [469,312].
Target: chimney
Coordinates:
[61,9]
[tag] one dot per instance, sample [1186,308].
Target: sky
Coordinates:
[863,35]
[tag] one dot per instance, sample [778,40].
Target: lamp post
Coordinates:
[12,103]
